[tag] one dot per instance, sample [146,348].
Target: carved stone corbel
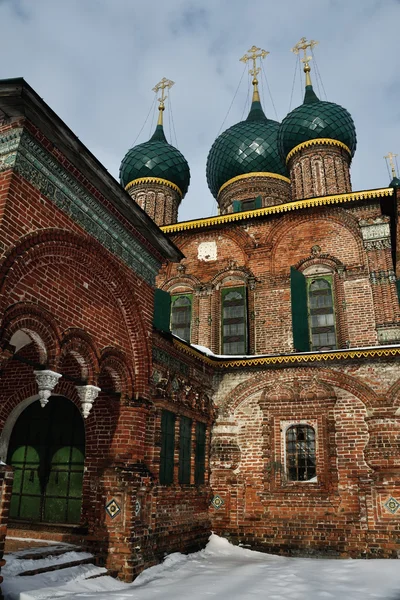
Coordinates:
[46,381]
[87,395]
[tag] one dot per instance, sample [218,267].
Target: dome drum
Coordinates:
[273,189]
[319,169]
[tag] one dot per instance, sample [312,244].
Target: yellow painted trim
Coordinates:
[248,175]
[153,180]
[288,358]
[278,208]
[328,141]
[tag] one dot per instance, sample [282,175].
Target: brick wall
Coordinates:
[6,480]
[345,510]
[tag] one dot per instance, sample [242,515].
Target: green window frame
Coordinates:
[167,447]
[300,453]
[200,454]
[162,310]
[313,312]
[181,315]
[234,320]
[185,455]
[321,313]
[248,204]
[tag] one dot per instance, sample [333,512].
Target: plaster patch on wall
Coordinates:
[207,251]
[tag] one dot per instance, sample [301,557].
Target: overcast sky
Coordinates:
[95,63]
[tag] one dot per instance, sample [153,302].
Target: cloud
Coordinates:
[95,63]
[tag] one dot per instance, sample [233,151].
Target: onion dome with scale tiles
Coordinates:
[156,160]
[317,119]
[250,146]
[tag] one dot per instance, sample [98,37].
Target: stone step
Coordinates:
[57,567]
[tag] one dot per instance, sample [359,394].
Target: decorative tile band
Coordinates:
[278,208]
[162,357]
[249,175]
[287,359]
[37,166]
[158,180]
[314,142]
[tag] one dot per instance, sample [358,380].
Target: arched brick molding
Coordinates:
[39,326]
[57,247]
[81,346]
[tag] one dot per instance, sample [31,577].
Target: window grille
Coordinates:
[181,316]
[300,453]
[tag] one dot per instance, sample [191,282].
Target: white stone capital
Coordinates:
[46,381]
[87,395]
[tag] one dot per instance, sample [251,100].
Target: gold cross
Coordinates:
[253,54]
[163,85]
[303,44]
[390,156]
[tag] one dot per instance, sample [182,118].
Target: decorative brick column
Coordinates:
[376,238]
[319,170]
[159,201]
[274,189]
[6,482]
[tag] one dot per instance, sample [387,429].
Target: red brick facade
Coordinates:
[78,266]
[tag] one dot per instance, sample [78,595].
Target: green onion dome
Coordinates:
[155,161]
[250,146]
[316,119]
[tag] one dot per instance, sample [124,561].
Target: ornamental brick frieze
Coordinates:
[182,392]
[382,277]
[388,334]
[375,233]
[9,142]
[204,290]
[38,167]
[173,364]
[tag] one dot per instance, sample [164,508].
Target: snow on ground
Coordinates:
[227,572]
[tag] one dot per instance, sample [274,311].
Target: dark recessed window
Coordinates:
[181,316]
[300,453]
[200,456]
[185,440]
[234,321]
[321,314]
[167,447]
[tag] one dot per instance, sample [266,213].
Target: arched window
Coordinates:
[321,314]
[181,315]
[300,453]
[234,321]
[313,311]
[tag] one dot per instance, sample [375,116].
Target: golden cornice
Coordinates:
[153,180]
[278,208]
[327,141]
[248,175]
[288,359]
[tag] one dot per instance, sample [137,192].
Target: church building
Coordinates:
[237,373]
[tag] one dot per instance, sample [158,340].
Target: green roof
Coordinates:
[156,158]
[250,146]
[316,119]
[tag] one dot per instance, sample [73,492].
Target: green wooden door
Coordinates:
[47,451]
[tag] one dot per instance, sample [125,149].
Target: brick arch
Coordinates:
[38,324]
[335,216]
[237,234]
[53,245]
[80,345]
[114,362]
[259,381]
[243,272]
[189,281]
[393,394]
[319,259]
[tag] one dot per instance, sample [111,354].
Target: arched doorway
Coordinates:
[47,451]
